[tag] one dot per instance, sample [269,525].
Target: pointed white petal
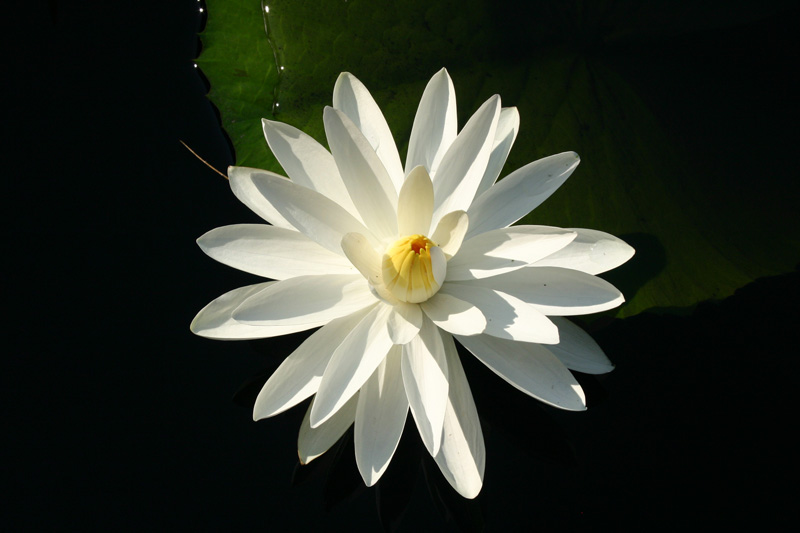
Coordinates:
[462,455]
[435,124]
[520,192]
[507,128]
[404,322]
[271,252]
[557,291]
[309,300]
[306,162]
[380,418]
[243,184]
[313,442]
[506,249]
[462,167]
[454,315]
[529,367]
[415,204]
[578,350]
[215,320]
[592,251]
[450,232]
[507,317]
[316,216]
[300,374]
[364,175]
[352,98]
[352,363]
[424,367]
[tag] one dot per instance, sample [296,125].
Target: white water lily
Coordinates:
[395,263]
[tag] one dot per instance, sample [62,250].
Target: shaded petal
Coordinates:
[316,216]
[364,175]
[520,192]
[578,350]
[352,363]
[435,124]
[215,321]
[507,317]
[380,418]
[243,184]
[506,249]
[592,251]
[314,441]
[507,128]
[306,162]
[352,98]
[462,167]
[415,204]
[450,232]
[300,374]
[404,322]
[529,367]
[454,315]
[424,367]
[309,300]
[363,256]
[271,252]
[462,455]
[557,291]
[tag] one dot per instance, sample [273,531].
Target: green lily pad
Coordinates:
[573,73]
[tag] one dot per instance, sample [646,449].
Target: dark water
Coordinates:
[119,418]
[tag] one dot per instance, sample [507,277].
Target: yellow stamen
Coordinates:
[407,269]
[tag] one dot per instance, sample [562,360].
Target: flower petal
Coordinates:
[557,291]
[529,367]
[309,300]
[404,322]
[505,249]
[243,184]
[435,124]
[415,204]
[215,320]
[424,367]
[352,98]
[462,167]
[450,232]
[454,315]
[363,256]
[578,350]
[592,251]
[352,363]
[364,175]
[520,192]
[306,162]
[380,417]
[507,317]
[507,128]
[300,374]
[314,441]
[271,252]
[462,455]
[316,216]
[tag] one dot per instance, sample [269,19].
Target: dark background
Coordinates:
[118,417]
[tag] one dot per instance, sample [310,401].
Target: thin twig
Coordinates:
[206,163]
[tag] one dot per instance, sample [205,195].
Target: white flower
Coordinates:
[394,263]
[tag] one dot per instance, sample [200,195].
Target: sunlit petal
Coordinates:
[530,368]
[380,418]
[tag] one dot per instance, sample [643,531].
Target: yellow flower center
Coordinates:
[407,269]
